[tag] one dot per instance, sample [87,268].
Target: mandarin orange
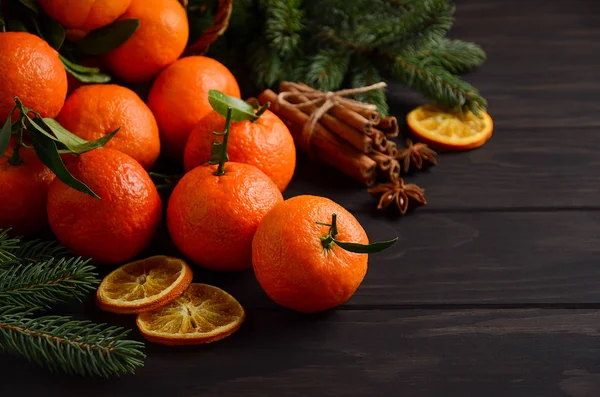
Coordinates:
[294,263]
[32,71]
[160,39]
[179,98]
[120,224]
[93,111]
[212,219]
[84,14]
[23,192]
[265,143]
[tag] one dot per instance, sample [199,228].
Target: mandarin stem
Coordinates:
[333,231]
[261,110]
[223,157]
[15,159]
[327,241]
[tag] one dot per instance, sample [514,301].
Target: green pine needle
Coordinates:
[327,69]
[429,20]
[33,251]
[8,246]
[313,41]
[268,65]
[283,25]
[456,56]
[364,75]
[61,344]
[438,84]
[37,274]
[45,283]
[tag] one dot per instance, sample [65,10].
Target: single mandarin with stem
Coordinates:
[120,224]
[158,42]
[265,143]
[179,98]
[32,71]
[93,111]
[84,14]
[309,254]
[215,209]
[24,183]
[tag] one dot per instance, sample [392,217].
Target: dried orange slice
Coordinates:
[448,130]
[203,314]
[144,285]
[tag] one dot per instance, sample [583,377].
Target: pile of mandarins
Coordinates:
[225,216]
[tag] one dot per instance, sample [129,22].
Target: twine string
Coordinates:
[306,96]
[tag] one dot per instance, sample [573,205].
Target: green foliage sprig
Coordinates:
[61,344]
[49,140]
[47,282]
[36,274]
[329,44]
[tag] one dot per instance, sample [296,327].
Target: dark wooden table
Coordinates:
[494,287]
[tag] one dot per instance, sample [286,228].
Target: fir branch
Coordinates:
[8,246]
[34,251]
[364,74]
[423,22]
[73,347]
[438,84]
[327,69]
[456,56]
[267,65]
[44,283]
[283,25]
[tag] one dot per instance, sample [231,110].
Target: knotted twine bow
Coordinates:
[326,100]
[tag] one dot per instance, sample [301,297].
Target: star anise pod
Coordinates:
[416,155]
[403,196]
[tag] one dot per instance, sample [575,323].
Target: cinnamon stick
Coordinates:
[379,140]
[384,162]
[351,135]
[371,115]
[389,126]
[325,146]
[350,117]
[394,170]
[391,149]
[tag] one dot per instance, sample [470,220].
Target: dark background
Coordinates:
[493,288]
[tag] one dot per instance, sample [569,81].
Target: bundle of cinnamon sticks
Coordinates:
[349,137]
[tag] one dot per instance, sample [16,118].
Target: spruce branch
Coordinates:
[8,246]
[456,56]
[327,69]
[363,74]
[267,64]
[438,84]
[426,21]
[33,251]
[73,347]
[313,41]
[283,25]
[41,284]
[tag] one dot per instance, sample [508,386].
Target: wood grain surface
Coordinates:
[493,288]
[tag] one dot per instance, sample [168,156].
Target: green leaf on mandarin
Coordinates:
[108,38]
[47,152]
[365,248]
[240,110]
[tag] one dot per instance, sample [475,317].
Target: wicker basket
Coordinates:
[219,27]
